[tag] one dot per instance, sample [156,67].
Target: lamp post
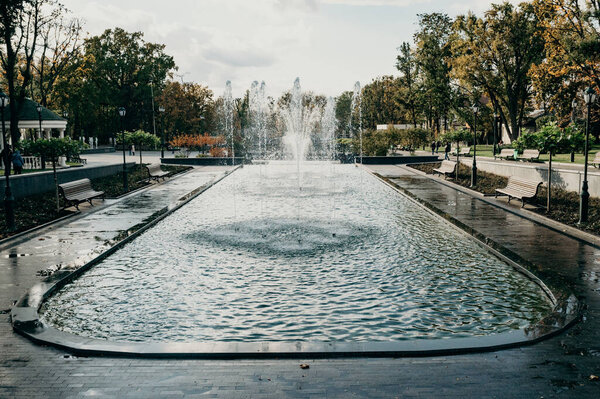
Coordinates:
[9,200]
[475,109]
[39,111]
[122,115]
[161,109]
[590,97]
[494,129]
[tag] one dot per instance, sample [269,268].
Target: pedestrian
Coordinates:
[18,162]
[6,155]
[437,146]
[432,147]
[133,149]
[447,151]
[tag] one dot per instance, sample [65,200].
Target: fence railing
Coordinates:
[30,163]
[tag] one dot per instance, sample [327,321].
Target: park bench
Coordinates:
[530,155]
[155,172]
[78,159]
[519,188]
[464,152]
[596,160]
[78,191]
[507,153]
[446,168]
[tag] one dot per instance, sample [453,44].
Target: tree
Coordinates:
[140,139]
[189,107]
[121,66]
[433,54]
[21,22]
[495,54]
[410,95]
[457,136]
[551,139]
[414,138]
[52,149]
[343,103]
[381,102]
[571,31]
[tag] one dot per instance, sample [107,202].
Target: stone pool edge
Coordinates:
[25,321]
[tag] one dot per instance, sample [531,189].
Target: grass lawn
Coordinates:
[39,209]
[486,151]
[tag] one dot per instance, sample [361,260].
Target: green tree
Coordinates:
[433,56]
[52,149]
[381,102]
[457,136]
[553,140]
[410,90]
[141,140]
[495,54]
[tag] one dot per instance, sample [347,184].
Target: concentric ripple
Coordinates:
[258,258]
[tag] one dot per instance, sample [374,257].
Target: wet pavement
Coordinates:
[562,366]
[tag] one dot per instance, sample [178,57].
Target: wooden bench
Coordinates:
[77,158]
[464,152]
[155,172]
[507,153]
[530,155]
[596,160]
[519,188]
[446,168]
[79,191]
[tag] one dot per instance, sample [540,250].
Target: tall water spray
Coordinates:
[328,128]
[300,122]
[356,108]
[258,115]
[229,106]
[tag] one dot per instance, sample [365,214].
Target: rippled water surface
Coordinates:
[266,256]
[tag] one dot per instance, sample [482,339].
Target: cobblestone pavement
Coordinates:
[559,367]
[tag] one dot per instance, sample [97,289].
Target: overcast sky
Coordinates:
[329,44]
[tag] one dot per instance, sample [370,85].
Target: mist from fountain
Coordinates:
[229,106]
[328,129]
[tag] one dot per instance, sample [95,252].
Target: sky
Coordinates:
[329,44]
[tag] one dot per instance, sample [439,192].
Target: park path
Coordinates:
[559,367]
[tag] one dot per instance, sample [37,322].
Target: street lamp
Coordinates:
[475,109]
[122,115]
[494,130]
[39,111]
[9,200]
[161,109]
[589,97]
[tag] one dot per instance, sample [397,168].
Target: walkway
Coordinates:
[559,367]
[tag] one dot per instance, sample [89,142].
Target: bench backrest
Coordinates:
[597,157]
[153,168]
[528,188]
[507,152]
[76,187]
[531,154]
[465,151]
[448,166]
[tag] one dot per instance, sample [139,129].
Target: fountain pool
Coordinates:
[267,256]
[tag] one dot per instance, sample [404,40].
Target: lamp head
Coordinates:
[39,109]
[589,96]
[161,109]
[122,111]
[4,100]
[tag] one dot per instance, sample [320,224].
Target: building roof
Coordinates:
[29,113]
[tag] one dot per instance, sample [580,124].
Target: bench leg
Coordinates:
[509,198]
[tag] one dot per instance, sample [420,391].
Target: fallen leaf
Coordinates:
[594,378]
[304,366]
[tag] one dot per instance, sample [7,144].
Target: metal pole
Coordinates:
[474,168]
[153,118]
[9,200]
[125,184]
[585,195]
[495,133]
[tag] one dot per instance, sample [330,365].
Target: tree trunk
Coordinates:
[55,185]
[549,183]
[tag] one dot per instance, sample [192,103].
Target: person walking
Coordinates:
[432,147]
[18,162]
[6,155]
[133,149]
[438,144]
[447,151]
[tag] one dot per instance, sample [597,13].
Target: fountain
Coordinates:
[328,129]
[229,106]
[258,108]
[356,107]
